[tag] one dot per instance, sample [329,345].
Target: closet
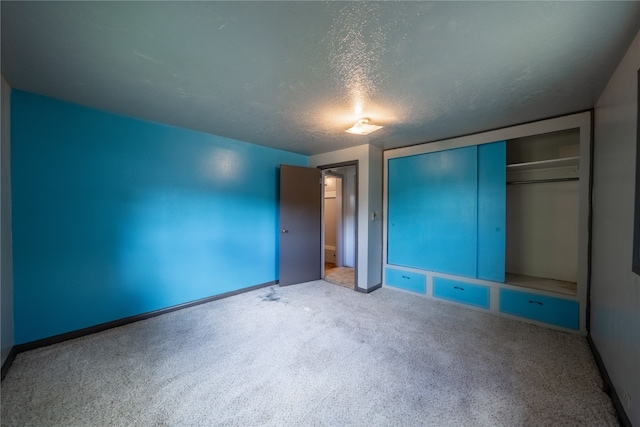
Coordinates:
[446,211]
[542,206]
[495,221]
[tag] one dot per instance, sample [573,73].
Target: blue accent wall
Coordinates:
[115,216]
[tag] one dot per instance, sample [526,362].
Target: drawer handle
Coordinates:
[406,277]
[535,302]
[458,287]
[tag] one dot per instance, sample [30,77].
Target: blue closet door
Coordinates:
[491,210]
[433,211]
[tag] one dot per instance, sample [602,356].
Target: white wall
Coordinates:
[330,234]
[615,289]
[6,258]
[368,261]
[330,213]
[349,224]
[542,230]
[330,222]
[346,256]
[375,225]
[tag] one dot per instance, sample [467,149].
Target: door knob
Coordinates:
[284,230]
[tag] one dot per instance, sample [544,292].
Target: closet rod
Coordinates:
[542,181]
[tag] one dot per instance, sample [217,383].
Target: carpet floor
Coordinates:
[312,354]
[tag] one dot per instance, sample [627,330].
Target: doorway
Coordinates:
[340,224]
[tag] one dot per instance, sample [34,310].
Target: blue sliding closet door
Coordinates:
[491,210]
[433,211]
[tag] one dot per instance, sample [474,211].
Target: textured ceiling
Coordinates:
[295,75]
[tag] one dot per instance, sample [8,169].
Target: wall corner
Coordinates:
[6,253]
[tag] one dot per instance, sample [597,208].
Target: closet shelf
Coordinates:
[543,284]
[545,164]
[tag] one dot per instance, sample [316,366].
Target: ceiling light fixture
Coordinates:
[363,127]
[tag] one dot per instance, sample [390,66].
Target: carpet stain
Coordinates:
[272,295]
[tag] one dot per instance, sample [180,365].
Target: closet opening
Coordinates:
[542,210]
[339,225]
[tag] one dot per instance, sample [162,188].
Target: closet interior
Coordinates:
[542,211]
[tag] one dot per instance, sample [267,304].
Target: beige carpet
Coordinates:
[343,276]
[313,354]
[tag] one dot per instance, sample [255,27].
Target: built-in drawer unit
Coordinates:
[557,311]
[465,293]
[407,280]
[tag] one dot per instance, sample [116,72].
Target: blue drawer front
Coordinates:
[466,293]
[415,282]
[557,311]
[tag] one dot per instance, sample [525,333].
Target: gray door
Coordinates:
[300,224]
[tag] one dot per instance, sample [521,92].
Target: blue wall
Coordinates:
[114,216]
